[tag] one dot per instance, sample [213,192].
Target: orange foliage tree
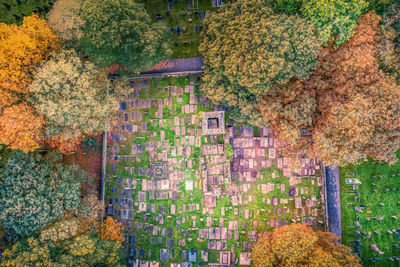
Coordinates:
[112,230]
[358,111]
[299,245]
[20,128]
[22,48]
[346,111]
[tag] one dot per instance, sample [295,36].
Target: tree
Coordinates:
[91,207]
[299,245]
[289,7]
[389,52]
[120,31]
[334,17]
[22,48]
[289,109]
[346,111]
[27,252]
[35,191]
[20,128]
[82,250]
[72,96]
[247,48]
[65,20]
[61,230]
[358,105]
[112,230]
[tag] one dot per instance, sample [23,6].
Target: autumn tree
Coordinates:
[247,48]
[35,191]
[72,96]
[82,250]
[20,127]
[61,230]
[112,230]
[21,49]
[120,31]
[358,105]
[66,21]
[289,109]
[334,18]
[299,245]
[346,111]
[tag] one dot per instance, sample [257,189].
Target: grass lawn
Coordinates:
[381,198]
[175,18]
[25,7]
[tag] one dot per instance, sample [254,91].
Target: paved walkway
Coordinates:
[333,201]
[178,66]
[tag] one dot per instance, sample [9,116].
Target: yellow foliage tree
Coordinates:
[299,245]
[112,230]
[21,49]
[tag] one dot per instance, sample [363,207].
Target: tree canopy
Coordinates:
[35,191]
[120,31]
[334,17]
[20,127]
[347,110]
[247,48]
[66,21]
[112,230]
[72,96]
[389,52]
[81,250]
[299,245]
[21,49]
[358,111]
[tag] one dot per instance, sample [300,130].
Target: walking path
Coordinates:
[334,212]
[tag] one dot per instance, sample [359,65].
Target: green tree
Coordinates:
[334,17]
[35,191]
[72,96]
[247,48]
[389,52]
[120,31]
[289,7]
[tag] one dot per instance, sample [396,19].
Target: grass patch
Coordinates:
[385,190]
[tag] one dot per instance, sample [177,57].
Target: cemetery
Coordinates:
[184,19]
[181,197]
[159,133]
[371,211]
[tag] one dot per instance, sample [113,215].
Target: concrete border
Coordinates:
[325,202]
[103,172]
